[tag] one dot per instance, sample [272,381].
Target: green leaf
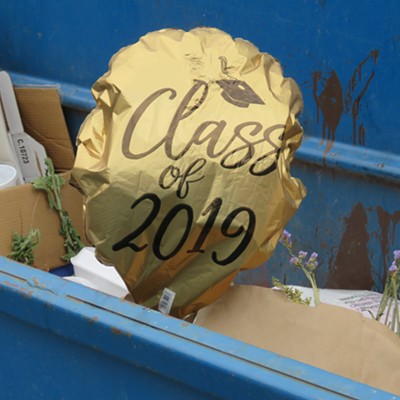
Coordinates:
[52,183]
[22,246]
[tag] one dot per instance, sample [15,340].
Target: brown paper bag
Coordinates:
[335,339]
[184,164]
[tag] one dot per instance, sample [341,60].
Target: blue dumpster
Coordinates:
[344,56]
[61,340]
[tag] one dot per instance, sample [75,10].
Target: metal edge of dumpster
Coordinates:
[63,340]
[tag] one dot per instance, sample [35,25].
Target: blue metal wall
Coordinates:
[344,56]
[60,340]
[69,342]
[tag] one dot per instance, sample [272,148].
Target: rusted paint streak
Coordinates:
[92,320]
[316,78]
[385,220]
[119,332]
[329,103]
[355,109]
[23,291]
[7,283]
[355,80]
[352,268]
[27,294]
[361,135]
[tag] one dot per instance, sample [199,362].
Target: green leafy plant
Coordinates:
[291,293]
[300,261]
[389,305]
[52,183]
[22,246]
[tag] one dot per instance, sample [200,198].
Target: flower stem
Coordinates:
[310,276]
[395,316]
[389,307]
[384,301]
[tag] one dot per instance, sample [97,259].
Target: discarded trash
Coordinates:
[8,176]
[91,273]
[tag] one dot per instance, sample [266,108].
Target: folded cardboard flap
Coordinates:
[23,208]
[338,340]
[43,119]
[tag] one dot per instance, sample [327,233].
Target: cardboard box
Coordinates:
[338,340]
[23,208]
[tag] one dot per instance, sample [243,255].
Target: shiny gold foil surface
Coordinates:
[184,163]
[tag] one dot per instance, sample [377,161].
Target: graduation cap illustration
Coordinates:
[238,93]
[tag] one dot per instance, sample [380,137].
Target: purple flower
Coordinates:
[295,262]
[312,262]
[396,254]
[312,265]
[302,254]
[393,268]
[286,239]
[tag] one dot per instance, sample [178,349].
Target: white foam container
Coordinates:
[8,176]
[91,273]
